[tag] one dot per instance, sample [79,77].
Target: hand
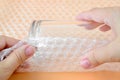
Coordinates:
[111,52]
[18,56]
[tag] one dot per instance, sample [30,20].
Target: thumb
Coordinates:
[109,53]
[18,56]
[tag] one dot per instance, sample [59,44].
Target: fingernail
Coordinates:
[29,51]
[85,63]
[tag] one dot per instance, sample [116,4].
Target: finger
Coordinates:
[18,56]
[97,15]
[105,28]
[91,25]
[94,58]
[109,53]
[6,42]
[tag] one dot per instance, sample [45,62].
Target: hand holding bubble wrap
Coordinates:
[57,53]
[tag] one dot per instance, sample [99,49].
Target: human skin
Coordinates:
[17,57]
[110,16]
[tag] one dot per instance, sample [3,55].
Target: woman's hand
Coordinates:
[111,52]
[18,56]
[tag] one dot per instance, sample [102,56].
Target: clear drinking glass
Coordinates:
[60,44]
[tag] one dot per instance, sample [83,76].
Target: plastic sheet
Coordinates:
[60,53]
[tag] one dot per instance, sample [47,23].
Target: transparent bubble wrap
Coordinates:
[17,15]
[58,53]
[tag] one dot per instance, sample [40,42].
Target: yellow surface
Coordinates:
[101,75]
[16,16]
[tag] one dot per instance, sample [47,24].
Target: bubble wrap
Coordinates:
[59,54]
[17,15]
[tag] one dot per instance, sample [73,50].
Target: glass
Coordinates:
[60,44]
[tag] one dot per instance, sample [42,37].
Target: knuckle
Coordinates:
[96,61]
[19,57]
